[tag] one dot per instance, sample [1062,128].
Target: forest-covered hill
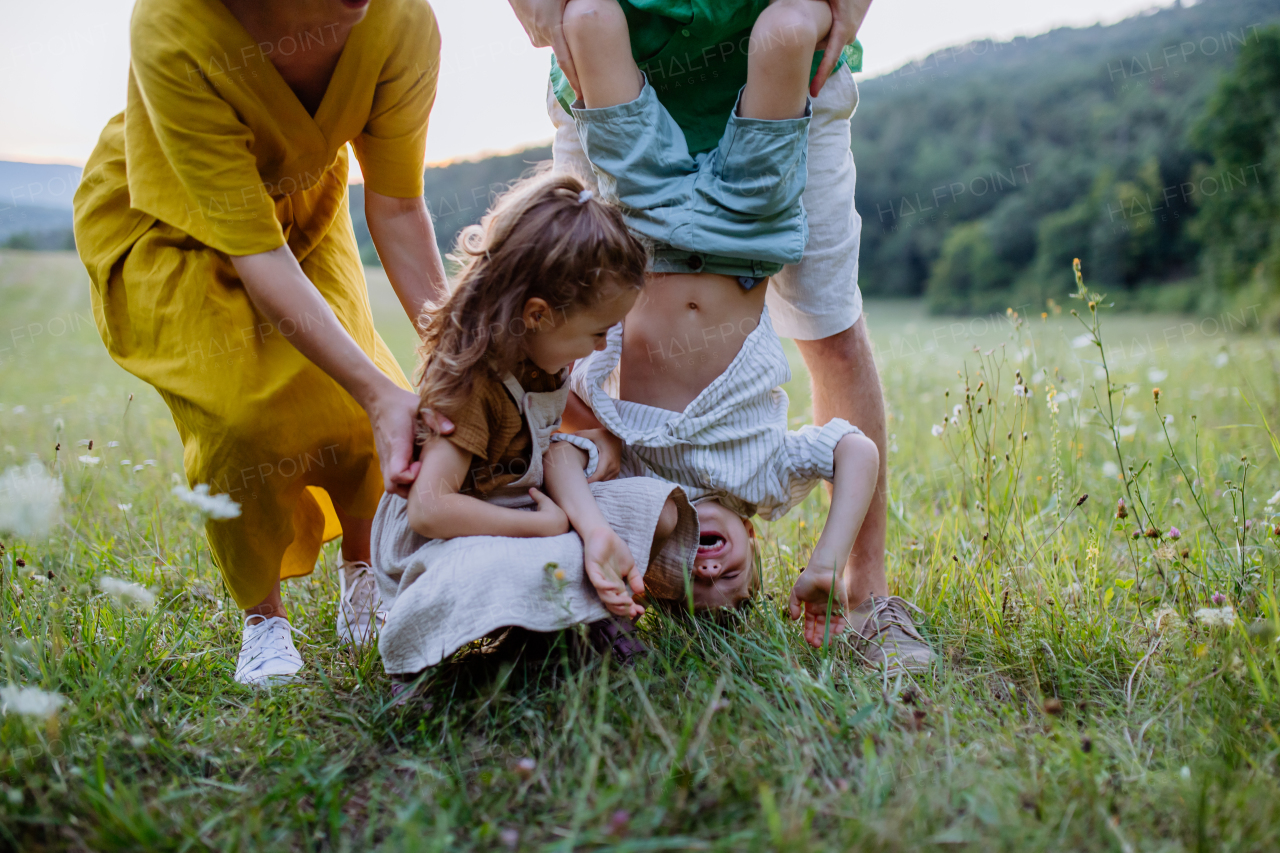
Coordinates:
[986,168]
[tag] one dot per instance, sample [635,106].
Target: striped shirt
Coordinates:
[731,442]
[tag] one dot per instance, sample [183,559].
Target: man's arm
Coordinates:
[542,22]
[846,20]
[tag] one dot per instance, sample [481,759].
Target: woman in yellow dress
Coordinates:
[213,221]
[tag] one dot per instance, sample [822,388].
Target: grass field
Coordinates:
[1079,703]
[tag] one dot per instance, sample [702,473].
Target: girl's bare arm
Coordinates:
[438,511]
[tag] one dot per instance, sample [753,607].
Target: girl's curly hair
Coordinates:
[546,237]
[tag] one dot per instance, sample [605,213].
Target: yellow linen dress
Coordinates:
[215,156]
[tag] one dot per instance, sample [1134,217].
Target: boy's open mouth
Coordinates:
[711,545]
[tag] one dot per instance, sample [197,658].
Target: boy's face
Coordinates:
[722,572]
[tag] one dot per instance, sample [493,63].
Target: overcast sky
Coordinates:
[63,65]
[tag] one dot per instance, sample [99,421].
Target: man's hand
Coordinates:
[541,20]
[813,598]
[846,20]
[612,571]
[609,446]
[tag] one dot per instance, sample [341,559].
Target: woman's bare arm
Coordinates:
[406,242]
[283,293]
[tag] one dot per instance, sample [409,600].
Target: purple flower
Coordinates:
[1218,599]
[1175,533]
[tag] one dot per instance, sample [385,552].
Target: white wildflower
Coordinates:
[1155,374]
[127,591]
[1185,772]
[1168,419]
[1126,431]
[113,444]
[1039,376]
[59,425]
[124,507]
[956,410]
[150,463]
[1221,360]
[30,701]
[90,460]
[936,430]
[1020,390]
[214,506]
[955,422]
[19,410]
[30,501]
[1274,499]
[84,442]
[137,468]
[126,462]
[1081,341]
[1110,469]
[1217,617]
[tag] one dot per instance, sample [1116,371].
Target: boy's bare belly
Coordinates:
[683,333]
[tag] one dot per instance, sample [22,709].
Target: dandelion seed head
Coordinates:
[936,430]
[1220,617]
[30,501]
[218,507]
[127,592]
[30,701]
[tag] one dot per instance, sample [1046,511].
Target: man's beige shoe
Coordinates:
[884,633]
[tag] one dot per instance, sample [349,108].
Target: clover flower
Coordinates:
[1175,533]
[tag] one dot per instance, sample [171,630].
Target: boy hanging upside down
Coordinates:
[691,380]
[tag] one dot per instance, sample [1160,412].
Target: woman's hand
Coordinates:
[394,415]
[612,571]
[551,518]
[846,20]
[609,447]
[541,20]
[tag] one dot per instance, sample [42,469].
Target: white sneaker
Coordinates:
[361,613]
[267,653]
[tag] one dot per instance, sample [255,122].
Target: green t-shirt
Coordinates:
[694,53]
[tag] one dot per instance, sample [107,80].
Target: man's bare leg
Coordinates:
[846,385]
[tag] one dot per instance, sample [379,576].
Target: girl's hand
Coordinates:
[550,516]
[610,448]
[813,598]
[611,569]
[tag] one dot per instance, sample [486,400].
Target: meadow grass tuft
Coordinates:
[1094,690]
